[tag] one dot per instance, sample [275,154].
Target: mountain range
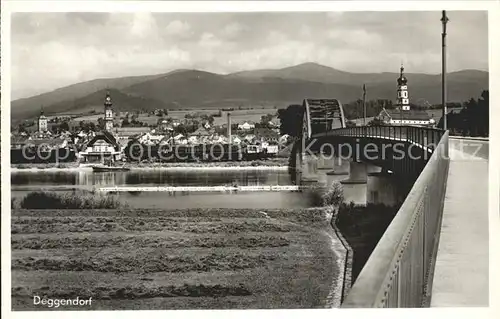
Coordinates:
[272,87]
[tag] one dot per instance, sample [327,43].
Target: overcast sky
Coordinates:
[51,50]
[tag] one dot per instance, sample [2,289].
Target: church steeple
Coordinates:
[108,112]
[403,99]
[42,122]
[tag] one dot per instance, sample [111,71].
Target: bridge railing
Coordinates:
[424,136]
[398,270]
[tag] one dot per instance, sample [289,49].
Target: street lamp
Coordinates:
[444,20]
[364,105]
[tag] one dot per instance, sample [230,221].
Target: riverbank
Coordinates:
[175,259]
[362,227]
[272,164]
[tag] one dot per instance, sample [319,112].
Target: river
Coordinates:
[23,182]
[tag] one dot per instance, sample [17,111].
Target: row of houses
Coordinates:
[93,146]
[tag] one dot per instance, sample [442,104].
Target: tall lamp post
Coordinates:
[444,20]
[364,105]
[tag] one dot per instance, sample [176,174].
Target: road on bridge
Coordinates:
[461,272]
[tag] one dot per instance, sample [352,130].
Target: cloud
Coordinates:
[357,38]
[209,40]
[143,24]
[232,30]
[276,37]
[178,28]
[51,50]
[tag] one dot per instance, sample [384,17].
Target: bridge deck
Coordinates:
[461,273]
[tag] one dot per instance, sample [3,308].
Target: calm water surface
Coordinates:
[84,180]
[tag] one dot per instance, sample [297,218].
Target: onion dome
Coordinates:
[402,80]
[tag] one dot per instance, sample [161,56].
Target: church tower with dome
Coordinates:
[108,113]
[402,115]
[403,101]
[42,122]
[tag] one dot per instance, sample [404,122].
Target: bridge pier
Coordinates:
[331,169]
[383,188]
[355,186]
[307,169]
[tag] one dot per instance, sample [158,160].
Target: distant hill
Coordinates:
[320,73]
[94,101]
[199,89]
[30,106]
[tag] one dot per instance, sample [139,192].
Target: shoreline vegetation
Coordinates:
[51,200]
[270,164]
[175,259]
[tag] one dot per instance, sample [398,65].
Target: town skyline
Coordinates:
[50,51]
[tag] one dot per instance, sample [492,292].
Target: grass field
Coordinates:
[242,116]
[237,115]
[189,259]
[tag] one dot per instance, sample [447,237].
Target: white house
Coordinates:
[246,126]
[103,147]
[284,139]
[150,138]
[180,139]
[235,140]
[250,138]
[406,117]
[193,139]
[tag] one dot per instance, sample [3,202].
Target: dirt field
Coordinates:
[196,259]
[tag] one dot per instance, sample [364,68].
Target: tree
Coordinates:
[472,120]
[64,126]
[208,118]
[265,119]
[334,196]
[21,129]
[350,123]
[291,120]
[375,122]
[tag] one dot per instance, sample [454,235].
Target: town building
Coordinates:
[403,114]
[203,132]
[265,134]
[411,117]
[403,100]
[42,123]
[108,113]
[130,132]
[17,142]
[48,144]
[246,126]
[101,148]
[150,138]
[41,130]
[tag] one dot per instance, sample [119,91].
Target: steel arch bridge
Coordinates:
[322,115]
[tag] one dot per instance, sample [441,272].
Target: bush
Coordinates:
[334,196]
[315,195]
[50,200]
[320,196]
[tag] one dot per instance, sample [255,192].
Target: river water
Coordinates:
[23,182]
